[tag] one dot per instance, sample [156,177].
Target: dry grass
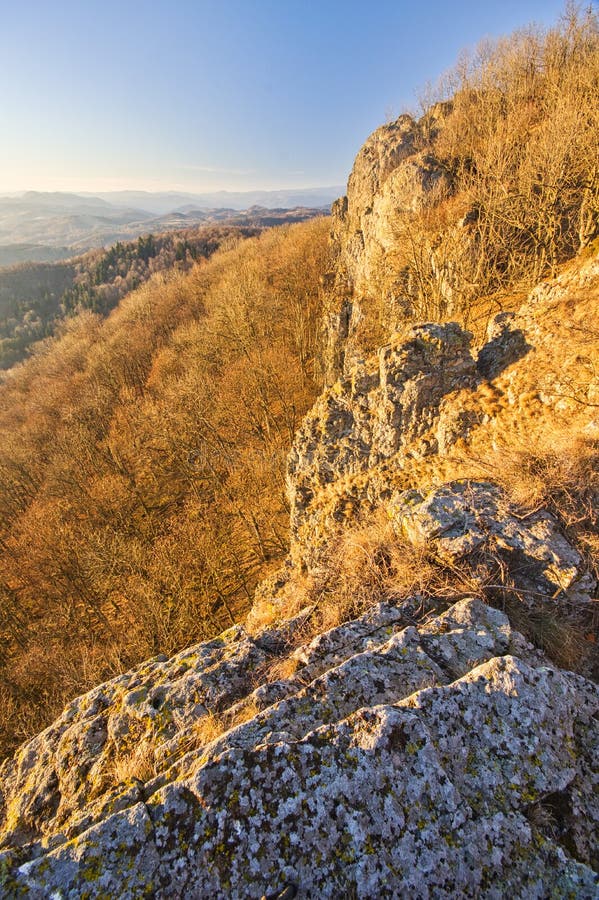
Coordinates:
[242,712]
[553,467]
[569,644]
[206,730]
[138,765]
[388,565]
[272,607]
[264,613]
[512,133]
[213,725]
[370,564]
[557,470]
[283,669]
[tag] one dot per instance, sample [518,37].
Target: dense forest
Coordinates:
[142,460]
[34,297]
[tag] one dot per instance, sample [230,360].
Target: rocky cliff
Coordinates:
[420,745]
[391,177]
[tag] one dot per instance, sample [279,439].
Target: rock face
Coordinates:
[446,760]
[387,406]
[390,177]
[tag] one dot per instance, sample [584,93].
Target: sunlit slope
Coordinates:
[142,464]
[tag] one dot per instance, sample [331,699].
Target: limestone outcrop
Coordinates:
[444,760]
[387,407]
[414,750]
[391,176]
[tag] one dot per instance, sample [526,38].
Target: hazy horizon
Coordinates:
[85,192]
[197,97]
[48,225]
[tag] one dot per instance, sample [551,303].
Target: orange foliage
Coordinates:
[142,468]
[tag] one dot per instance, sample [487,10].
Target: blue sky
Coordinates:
[203,95]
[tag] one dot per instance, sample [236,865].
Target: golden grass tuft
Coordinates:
[370,564]
[137,765]
[264,613]
[212,725]
[243,712]
[283,669]
[567,643]
[206,730]
[290,600]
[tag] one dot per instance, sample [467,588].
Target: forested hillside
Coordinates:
[142,462]
[142,455]
[34,297]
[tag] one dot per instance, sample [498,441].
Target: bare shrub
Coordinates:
[515,131]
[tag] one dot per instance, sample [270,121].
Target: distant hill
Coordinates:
[36,296]
[13,254]
[58,225]
[160,203]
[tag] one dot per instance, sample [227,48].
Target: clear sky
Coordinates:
[206,95]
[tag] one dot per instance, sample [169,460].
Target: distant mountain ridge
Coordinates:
[167,201]
[58,225]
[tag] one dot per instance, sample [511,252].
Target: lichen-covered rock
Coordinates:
[447,792]
[385,407]
[400,761]
[93,758]
[457,519]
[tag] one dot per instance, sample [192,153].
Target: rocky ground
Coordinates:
[442,760]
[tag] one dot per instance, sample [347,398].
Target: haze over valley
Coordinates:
[46,226]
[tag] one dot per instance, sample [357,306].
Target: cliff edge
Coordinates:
[391,719]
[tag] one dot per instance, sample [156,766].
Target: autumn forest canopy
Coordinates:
[142,460]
